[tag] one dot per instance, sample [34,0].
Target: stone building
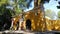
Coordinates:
[34,19]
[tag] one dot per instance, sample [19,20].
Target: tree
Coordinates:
[5,17]
[3,2]
[50,13]
[16,6]
[58,15]
[6,14]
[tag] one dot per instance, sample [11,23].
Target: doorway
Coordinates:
[28,24]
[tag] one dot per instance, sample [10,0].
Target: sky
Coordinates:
[52,5]
[30,7]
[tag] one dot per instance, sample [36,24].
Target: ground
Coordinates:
[15,32]
[26,32]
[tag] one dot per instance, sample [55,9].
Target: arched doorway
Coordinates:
[28,24]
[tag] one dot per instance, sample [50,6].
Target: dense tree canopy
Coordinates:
[15,4]
[6,13]
[58,14]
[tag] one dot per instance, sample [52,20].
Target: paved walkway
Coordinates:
[16,32]
[27,32]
